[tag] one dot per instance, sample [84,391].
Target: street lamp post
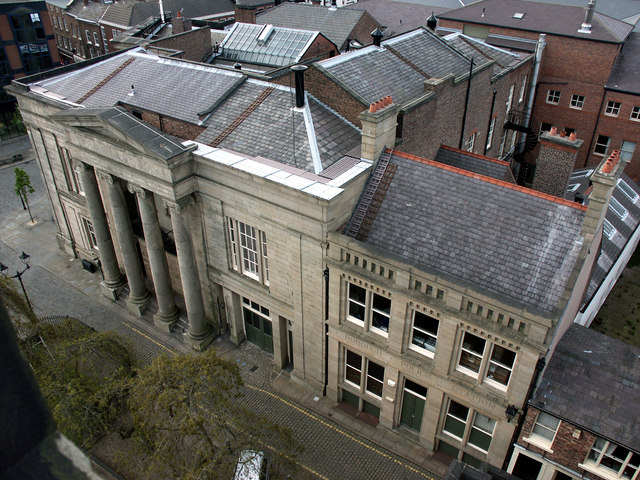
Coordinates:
[25,259]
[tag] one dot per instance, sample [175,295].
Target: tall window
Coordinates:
[365,374]
[577,101]
[468,427]
[424,334]
[490,363]
[614,459]
[510,99]
[612,109]
[553,96]
[602,144]
[626,150]
[95,39]
[472,141]
[492,126]
[90,233]
[368,309]
[88,35]
[248,250]
[635,113]
[523,89]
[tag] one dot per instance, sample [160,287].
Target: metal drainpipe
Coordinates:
[493,103]
[595,128]
[466,105]
[534,82]
[325,274]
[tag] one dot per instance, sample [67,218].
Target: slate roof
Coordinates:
[337,25]
[625,74]
[508,241]
[564,20]
[131,14]
[593,381]
[282,46]
[398,67]
[627,194]
[92,11]
[217,100]
[472,162]
[398,17]
[481,52]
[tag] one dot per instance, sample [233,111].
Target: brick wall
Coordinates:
[321,46]
[172,126]
[362,31]
[568,450]
[554,164]
[196,44]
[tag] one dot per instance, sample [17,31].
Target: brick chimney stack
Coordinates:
[555,162]
[378,128]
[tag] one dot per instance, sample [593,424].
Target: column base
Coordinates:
[200,342]
[138,305]
[165,322]
[111,290]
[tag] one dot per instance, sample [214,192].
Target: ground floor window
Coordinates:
[257,324]
[468,427]
[367,378]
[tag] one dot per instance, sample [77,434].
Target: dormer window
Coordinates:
[518,15]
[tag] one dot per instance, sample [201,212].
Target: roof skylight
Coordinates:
[628,191]
[518,15]
[618,209]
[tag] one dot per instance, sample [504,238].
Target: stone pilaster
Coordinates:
[167,311]
[199,334]
[138,294]
[113,279]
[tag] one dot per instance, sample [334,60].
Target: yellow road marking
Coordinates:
[147,337]
[341,432]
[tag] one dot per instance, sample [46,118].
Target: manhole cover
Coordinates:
[254,368]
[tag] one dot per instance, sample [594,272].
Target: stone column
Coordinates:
[199,334]
[138,294]
[113,279]
[167,311]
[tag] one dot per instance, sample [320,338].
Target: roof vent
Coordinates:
[333,6]
[264,34]
[298,71]
[518,15]
[132,92]
[432,22]
[377,36]
[586,26]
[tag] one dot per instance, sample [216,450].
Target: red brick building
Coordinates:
[583,50]
[582,418]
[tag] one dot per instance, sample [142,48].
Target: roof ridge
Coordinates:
[476,155]
[401,57]
[484,178]
[102,83]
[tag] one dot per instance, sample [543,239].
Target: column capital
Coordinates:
[80,165]
[178,206]
[138,190]
[107,177]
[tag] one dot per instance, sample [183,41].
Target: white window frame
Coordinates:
[553,96]
[492,126]
[472,141]
[603,448]
[248,250]
[616,207]
[613,108]
[90,233]
[523,88]
[510,99]
[365,376]
[369,308]
[96,42]
[77,175]
[598,148]
[577,102]
[608,230]
[87,34]
[627,148]
[485,361]
[542,425]
[635,113]
[429,352]
[471,423]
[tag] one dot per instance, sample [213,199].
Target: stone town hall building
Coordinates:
[425,303]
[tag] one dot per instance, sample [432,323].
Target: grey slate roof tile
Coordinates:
[625,74]
[542,18]
[483,232]
[481,52]
[593,381]
[490,167]
[337,25]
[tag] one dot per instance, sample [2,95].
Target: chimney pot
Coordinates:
[553,131]
[372,108]
[298,71]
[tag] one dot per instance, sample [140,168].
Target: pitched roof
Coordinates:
[256,117]
[399,17]
[622,217]
[625,74]
[472,162]
[131,14]
[266,44]
[92,11]
[564,20]
[593,381]
[398,67]
[508,241]
[336,24]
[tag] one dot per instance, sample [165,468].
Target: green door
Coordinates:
[257,326]
[413,401]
